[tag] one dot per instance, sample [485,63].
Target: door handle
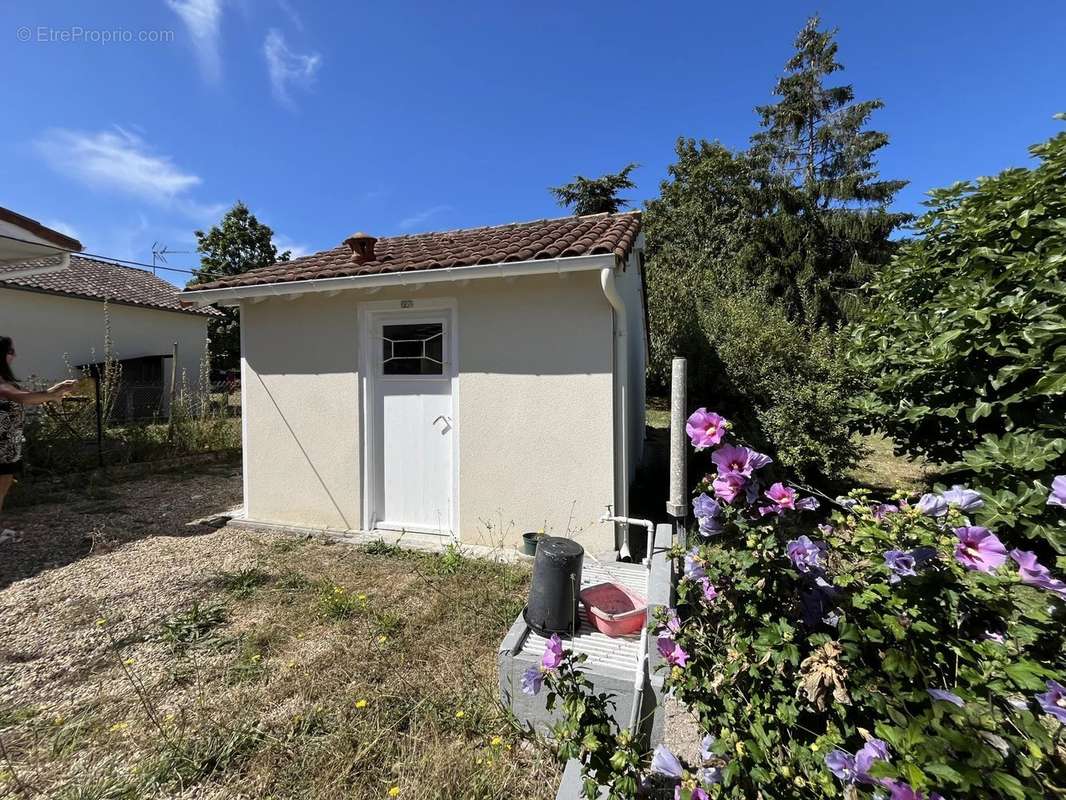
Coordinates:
[446,420]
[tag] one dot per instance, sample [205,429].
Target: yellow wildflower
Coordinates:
[129,662]
[101,622]
[394,791]
[361,598]
[119,726]
[360,703]
[496,741]
[460,714]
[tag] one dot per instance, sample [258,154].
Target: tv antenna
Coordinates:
[160,253]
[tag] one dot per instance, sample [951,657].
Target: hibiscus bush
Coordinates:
[859,647]
[895,650]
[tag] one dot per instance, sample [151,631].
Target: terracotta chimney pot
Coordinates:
[362,247]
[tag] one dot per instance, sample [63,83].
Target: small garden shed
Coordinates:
[472,384]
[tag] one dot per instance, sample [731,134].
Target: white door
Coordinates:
[413,425]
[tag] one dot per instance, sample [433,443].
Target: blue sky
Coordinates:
[403,117]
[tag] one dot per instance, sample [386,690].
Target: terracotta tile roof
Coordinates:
[102,280]
[520,241]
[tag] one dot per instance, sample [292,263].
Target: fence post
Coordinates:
[173,380]
[676,506]
[95,370]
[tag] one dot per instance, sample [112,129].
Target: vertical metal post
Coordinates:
[173,381]
[676,503]
[99,416]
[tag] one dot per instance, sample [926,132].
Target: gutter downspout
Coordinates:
[608,282]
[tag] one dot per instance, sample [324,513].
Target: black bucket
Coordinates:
[552,606]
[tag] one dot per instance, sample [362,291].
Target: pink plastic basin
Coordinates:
[614,609]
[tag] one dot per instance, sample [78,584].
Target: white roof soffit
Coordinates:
[547,266]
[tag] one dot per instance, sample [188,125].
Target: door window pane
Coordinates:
[416,349]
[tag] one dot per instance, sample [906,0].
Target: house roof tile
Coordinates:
[565,237]
[102,280]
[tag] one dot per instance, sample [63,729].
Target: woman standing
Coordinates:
[12,400]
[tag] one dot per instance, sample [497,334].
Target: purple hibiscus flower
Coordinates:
[694,565]
[673,653]
[873,750]
[965,500]
[1058,492]
[532,680]
[728,487]
[553,653]
[1036,574]
[946,696]
[932,505]
[882,510]
[665,763]
[856,768]
[710,591]
[703,505]
[805,553]
[900,563]
[898,790]
[979,549]
[672,627]
[739,460]
[706,510]
[842,765]
[784,498]
[706,747]
[1053,701]
[705,428]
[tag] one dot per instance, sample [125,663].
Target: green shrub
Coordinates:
[770,375]
[965,336]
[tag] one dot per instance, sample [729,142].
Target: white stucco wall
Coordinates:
[533,411]
[51,331]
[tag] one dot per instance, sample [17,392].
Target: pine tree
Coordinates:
[595,195]
[238,243]
[828,222]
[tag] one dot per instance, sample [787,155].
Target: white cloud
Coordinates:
[121,161]
[288,69]
[296,250]
[419,217]
[203,20]
[292,14]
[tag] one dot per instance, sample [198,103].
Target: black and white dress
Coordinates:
[12,416]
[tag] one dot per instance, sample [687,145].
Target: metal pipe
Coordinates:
[609,284]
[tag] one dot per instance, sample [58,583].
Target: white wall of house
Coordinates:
[533,408]
[51,331]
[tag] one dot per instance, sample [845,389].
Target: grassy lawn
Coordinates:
[251,665]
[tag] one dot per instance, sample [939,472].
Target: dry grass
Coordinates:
[251,665]
[884,472]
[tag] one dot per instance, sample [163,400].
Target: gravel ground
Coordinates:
[97,519]
[97,702]
[126,554]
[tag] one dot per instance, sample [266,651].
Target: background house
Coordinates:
[56,317]
[478,382]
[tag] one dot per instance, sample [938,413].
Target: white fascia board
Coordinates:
[547,266]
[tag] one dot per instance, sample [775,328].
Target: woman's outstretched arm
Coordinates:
[17,395]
